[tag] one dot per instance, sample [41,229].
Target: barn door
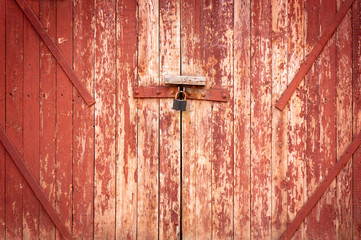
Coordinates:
[129,167]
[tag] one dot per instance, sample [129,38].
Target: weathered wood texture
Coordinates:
[185,80]
[116,170]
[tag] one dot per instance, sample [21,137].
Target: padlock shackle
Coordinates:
[184,93]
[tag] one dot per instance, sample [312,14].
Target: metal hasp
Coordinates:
[193,90]
[218,95]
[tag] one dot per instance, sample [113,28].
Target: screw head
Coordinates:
[224,95]
[157,92]
[136,92]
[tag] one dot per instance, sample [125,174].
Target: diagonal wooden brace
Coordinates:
[55,50]
[28,176]
[320,190]
[306,65]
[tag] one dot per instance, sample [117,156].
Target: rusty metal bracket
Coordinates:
[321,189]
[218,95]
[30,179]
[55,50]
[307,64]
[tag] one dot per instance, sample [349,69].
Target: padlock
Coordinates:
[180,104]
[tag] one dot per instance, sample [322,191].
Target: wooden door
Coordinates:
[134,168]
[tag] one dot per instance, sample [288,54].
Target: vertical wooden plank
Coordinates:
[279,119]
[190,65]
[31,124]
[64,117]
[312,165]
[83,121]
[169,138]
[2,120]
[105,89]
[47,118]
[196,57]
[356,94]
[296,114]
[222,122]
[344,124]
[242,119]
[14,117]
[148,122]
[327,76]
[126,150]
[261,63]
[203,125]
[196,45]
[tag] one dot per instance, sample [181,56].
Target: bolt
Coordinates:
[136,92]
[224,95]
[157,92]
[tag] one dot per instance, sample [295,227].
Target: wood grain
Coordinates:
[126,121]
[344,124]
[323,187]
[242,120]
[56,51]
[261,133]
[105,89]
[169,125]
[31,124]
[318,47]
[83,121]
[190,14]
[14,117]
[47,124]
[222,122]
[279,163]
[33,185]
[356,95]
[327,91]
[2,120]
[185,80]
[312,138]
[296,115]
[64,101]
[148,122]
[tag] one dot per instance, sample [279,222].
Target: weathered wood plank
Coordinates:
[197,134]
[64,101]
[323,186]
[191,65]
[2,120]
[344,124]
[105,89]
[185,80]
[327,90]
[242,119]
[261,63]
[312,138]
[317,48]
[31,124]
[148,122]
[169,123]
[356,95]
[296,114]
[33,184]
[279,166]
[14,116]
[47,156]
[126,108]
[222,122]
[56,51]
[83,121]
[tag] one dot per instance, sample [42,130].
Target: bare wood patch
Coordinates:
[185,80]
